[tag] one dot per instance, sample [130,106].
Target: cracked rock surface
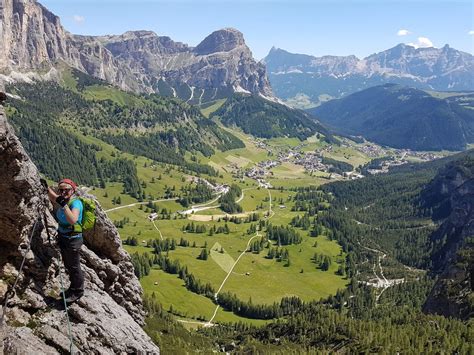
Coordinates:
[106,320]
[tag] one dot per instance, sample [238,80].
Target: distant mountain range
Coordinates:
[403,117]
[305,81]
[33,43]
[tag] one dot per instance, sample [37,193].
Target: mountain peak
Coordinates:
[32,38]
[139,33]
[223,40]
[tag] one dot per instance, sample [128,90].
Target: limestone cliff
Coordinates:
[106,320]
[451,195]
[33,41]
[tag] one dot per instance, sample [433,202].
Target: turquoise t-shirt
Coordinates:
[64,226]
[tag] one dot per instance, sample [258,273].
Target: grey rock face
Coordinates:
[33,39]
[450,295]
[220,41]
[424,68]
[221,62]
[107,319]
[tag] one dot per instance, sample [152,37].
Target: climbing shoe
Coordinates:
[73,297]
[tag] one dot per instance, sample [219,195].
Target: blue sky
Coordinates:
[317,27]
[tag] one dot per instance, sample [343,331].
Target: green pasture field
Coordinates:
[288,170]
[171,292]
[206,112]
[307,180]
[253,198]
[283,142]
[348,155]
[221,257]
[267,281]
[264,281]
[101,92]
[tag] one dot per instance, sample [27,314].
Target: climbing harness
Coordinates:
[11,293]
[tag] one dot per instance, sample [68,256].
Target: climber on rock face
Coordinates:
[68,213]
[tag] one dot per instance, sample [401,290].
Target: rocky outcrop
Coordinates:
[220,65]
[33,39]
[451,195]
[220,41]
[107,319]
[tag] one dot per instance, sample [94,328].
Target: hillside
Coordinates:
[296,254]
[450,195]
[262,118]
[47,115]
[306,81]
[401,117]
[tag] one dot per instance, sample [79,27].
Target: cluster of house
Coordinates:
[400,157]
[371,150]
[423,156]
[262,169]
[218,189]
[262,145]
[311,161]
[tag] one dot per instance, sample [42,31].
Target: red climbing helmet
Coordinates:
[69,182]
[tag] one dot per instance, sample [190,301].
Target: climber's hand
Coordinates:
[61,201]
[44,183]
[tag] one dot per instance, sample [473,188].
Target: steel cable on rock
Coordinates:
[11,292]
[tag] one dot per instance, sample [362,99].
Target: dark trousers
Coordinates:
[71,254]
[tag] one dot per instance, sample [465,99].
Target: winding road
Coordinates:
[141,203]
[209,323]
[205,206]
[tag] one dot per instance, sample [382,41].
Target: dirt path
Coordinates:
[161,235]
[140,203]
[382,281]
[209,323]
[270,215]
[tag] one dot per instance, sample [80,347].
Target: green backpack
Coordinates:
[88,213]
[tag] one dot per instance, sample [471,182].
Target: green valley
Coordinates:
[230,227]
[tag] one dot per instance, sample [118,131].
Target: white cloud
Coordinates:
[403,32]
[422,42]
[471,32]
[425,42]
[78,19]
